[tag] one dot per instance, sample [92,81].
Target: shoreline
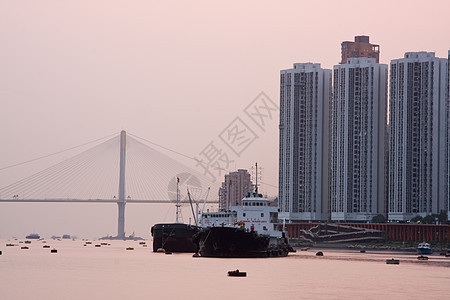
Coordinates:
[371,247]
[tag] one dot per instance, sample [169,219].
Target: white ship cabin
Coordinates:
[218,218]
[255,214]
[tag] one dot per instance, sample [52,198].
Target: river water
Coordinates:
[112,272]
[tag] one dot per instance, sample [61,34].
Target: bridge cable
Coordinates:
[189,157]
[55,153]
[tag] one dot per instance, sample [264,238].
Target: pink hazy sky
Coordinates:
[176,72]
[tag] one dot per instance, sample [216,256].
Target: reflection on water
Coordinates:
[112,272]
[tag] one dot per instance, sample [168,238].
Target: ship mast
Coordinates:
[178,205]
[256,184]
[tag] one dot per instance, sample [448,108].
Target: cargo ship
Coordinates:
[174,237]
[245,231]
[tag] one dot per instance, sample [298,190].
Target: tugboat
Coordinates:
[174,237]
[245,231]
[424,248]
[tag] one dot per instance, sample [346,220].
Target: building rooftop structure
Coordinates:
[359,48]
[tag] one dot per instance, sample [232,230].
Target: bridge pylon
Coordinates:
[121,199]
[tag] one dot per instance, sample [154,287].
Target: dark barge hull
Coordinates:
[174,237]
[229,242]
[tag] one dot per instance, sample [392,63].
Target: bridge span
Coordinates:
[139,174]
[60,200]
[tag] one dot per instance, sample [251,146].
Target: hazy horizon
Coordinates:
[176,73]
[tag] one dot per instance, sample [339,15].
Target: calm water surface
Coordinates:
[112,272]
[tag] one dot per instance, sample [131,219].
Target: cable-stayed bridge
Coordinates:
[119,170]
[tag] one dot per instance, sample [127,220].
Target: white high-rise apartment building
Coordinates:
[305,95]
[418,139]
[358,140]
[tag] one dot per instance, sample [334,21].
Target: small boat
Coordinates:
[33,236]
[27,242]
[53,251]
[421,257]
[130,248]
[141,243]
[98,245]
[304,249]
[392,261]
[46,246]
[9,245]
[424,248]
[320,253]
[1,252]
[237,273]
[88,243]
[362,251]
[24,247]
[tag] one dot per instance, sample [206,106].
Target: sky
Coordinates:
[177,73]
